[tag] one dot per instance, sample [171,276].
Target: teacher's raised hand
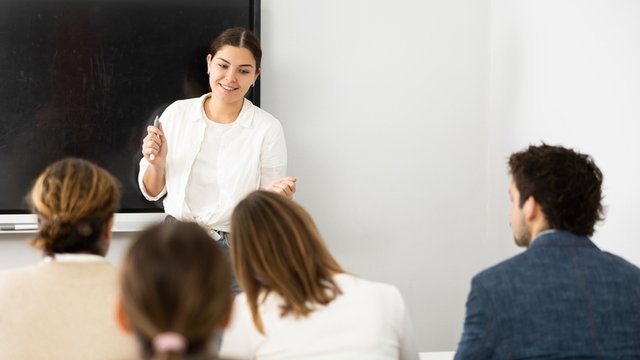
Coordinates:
[154,146]
[285,186]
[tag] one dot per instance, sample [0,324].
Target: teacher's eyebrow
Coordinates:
[225,60]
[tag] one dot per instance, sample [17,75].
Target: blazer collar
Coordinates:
[559,238]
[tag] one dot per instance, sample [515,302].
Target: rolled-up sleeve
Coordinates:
[144,164]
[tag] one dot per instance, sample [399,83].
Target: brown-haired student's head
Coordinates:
[276,246]
[74,200]
[175,284]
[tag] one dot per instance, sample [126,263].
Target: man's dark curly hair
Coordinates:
[566,184]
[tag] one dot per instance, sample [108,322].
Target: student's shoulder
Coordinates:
[11,280]
[353,284]
[9,274]
[502,270]
[619,264]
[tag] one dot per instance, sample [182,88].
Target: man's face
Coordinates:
[521,233]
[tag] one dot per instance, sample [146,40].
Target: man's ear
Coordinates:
[532,209]
[121,317]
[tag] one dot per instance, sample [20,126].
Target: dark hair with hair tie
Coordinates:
[175,288]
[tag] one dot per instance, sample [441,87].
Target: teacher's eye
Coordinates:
[223,66]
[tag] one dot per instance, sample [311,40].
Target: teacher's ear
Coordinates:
[121,317]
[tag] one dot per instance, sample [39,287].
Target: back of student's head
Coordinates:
[276,246]
[566,184]
[175,290]
[74,200]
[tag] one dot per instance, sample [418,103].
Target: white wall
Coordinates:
[384,106]
[567,72]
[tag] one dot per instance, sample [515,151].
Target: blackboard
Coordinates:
[84,78]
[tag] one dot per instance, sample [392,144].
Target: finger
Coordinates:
[154,130]
[288,185]
[285,189]
[276,188]
[152,139]
[148,150]
[154,143]
[287,179]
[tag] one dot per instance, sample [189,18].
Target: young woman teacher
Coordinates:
[209,152]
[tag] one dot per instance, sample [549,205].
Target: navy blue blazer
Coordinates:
[561,298]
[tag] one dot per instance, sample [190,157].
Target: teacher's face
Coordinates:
[232,71]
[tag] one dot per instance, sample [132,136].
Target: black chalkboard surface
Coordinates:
[84,77]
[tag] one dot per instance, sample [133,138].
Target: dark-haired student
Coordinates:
[562,298]
[175,292]
[62,308]
[298,302]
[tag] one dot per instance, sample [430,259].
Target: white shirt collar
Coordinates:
[75,258]
[244,119]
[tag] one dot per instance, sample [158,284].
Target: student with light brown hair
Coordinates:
[175,292]
[62,308]
[298,302]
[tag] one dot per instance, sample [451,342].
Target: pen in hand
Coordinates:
[156,122]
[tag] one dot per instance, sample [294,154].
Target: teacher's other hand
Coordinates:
[285,186]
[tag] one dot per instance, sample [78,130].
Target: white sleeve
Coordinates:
[144,164]
[273,156]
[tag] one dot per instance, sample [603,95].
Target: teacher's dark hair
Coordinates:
[73,199]
[566,184]
[238,37]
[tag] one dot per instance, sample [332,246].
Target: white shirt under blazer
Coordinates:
[252,154]
[369,321]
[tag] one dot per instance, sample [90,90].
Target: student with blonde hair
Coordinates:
[298,302]
[62,308]
[175,292]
